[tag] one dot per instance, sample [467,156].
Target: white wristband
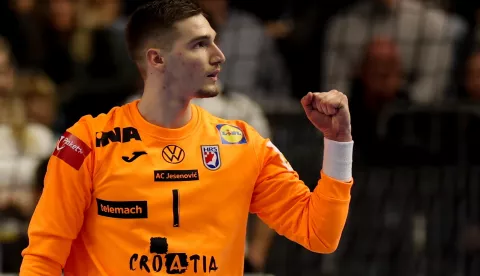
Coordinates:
[338,159]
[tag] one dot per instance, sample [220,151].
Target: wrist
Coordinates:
[343,136]
[338,159]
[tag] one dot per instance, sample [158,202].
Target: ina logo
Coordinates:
[117,135]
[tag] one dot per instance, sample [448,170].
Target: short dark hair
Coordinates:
[155,19]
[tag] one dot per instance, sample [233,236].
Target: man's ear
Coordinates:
[155,58]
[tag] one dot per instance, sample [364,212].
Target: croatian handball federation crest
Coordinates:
[211,157]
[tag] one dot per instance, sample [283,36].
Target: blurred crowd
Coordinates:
[62,59]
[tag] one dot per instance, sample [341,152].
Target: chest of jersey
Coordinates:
[195,192]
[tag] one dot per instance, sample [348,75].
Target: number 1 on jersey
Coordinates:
[176,218]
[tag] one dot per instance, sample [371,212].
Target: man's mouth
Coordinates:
[214,74]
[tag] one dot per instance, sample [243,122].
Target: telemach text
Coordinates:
[173,263]
[122,209]
[176,175]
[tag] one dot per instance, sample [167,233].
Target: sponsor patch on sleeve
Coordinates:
[71,150]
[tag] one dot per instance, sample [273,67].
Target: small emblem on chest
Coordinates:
[173,154]
[211,157]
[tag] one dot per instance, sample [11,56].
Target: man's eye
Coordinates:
[200,45]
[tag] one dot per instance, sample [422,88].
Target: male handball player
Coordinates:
[160,186]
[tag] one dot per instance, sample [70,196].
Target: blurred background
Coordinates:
[411,69]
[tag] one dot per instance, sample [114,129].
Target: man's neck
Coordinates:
[164,109]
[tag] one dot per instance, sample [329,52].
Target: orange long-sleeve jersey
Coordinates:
[125,197]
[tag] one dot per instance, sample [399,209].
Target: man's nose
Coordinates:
[218,56]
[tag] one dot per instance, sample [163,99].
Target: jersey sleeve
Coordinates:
[313,219]
[59,214]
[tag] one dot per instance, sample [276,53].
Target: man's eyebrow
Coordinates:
[202,37]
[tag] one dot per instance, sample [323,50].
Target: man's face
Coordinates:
[194,61]
[6,74]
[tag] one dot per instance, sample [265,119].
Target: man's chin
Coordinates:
[207,92]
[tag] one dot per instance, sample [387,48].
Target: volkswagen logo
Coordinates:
[173,154]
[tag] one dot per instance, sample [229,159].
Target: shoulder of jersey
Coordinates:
[104,121]
[88,128]
[78,141]
[231,132]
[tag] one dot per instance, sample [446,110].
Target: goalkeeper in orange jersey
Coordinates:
[159,186]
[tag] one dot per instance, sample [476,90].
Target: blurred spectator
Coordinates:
[19,24]
[14,237]
[253,64]
[86,56]
[39,93]
[106,72]
[423,35]
[30,97]
[7,77]
[380,74]
[298,29]
[469,95]
[379,83]
[471,86]
[23,143]
[58,29]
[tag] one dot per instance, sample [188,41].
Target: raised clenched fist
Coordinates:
[328,111]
